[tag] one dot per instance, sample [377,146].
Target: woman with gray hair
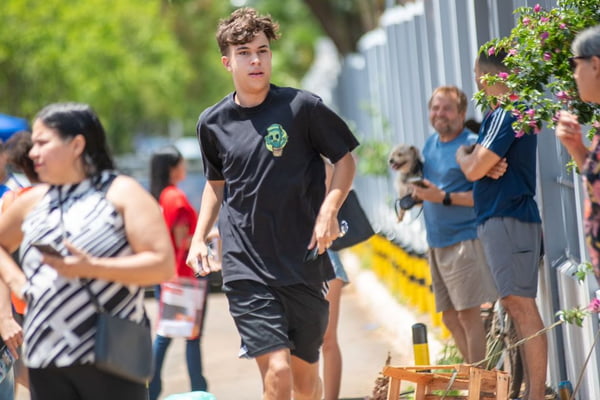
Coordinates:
[586,71]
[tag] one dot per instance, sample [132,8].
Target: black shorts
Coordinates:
[82,382]
[270,318]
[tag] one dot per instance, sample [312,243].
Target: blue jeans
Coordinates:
[7,386]
[193,357]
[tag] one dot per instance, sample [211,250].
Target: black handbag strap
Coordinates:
[86,285]
[100,309]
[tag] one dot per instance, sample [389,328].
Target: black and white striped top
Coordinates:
[60,320]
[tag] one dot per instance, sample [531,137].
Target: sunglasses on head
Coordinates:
[572,62]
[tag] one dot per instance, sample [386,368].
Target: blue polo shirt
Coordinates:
[513,194]
[447,225]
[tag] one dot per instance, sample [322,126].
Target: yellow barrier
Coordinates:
[407,276]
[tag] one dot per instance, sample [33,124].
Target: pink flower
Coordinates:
[520,133]
[516,113]
[562,95]
[594,306]
[563,26]
[513,97]
[525,21]
[596,124]
[544,36]
[503,75]
[544,19]
[536,129]
[530,113]
[512,52]
[537,8]
[556,116]
[547,56]
[491,51]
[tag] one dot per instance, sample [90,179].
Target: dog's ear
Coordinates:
[415,151]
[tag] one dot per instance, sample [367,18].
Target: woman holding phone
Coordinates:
[108,231]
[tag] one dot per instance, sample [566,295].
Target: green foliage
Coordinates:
[573,316]
[583,270]
[141,64]
[541,82]
[576,315]
[118,56]
[195,22]
[372,157]
[294,51]
[450,355]
[373,154]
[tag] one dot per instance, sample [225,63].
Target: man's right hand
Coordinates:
[197,258]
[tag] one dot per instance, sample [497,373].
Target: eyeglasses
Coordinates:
[572,62]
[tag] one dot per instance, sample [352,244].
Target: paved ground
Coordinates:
[371,324]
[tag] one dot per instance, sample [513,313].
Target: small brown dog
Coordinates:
[406,160]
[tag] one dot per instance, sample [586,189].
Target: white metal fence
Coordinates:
[383,90]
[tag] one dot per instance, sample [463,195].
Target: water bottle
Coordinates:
[6,361]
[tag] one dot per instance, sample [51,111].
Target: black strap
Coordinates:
[86,285]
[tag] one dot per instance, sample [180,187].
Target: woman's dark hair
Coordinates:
[161,163]
[72,119]
[17,148]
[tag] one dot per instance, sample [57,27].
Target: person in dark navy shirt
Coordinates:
[262,149]
[508,219]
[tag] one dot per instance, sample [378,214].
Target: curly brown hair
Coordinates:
[242,26]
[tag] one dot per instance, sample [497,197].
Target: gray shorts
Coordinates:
[512,248]
[460,276]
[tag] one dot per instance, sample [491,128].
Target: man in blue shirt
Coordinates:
[508,220]
[460,276]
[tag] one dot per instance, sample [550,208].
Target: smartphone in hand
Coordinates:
[417,180]
[311,254]
[46,248]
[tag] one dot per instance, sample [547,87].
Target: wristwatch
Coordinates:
[447,200]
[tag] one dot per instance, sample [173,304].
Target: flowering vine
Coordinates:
[578,314]
[541,81]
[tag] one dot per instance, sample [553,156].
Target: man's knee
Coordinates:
[520,309]
[470,317]
[450,319]
[279,368]
[275,367]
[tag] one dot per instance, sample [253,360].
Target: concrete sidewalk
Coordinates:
[372,324]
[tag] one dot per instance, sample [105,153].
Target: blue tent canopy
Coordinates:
[10,125]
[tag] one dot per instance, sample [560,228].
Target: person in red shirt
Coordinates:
[167,169]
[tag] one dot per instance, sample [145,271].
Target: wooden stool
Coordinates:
[479,383]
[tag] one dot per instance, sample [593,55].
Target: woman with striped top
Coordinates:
[109,231]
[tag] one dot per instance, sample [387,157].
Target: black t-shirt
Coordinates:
[270,159]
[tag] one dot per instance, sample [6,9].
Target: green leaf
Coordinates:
[539,48]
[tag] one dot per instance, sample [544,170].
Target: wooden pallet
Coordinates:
[478,383]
